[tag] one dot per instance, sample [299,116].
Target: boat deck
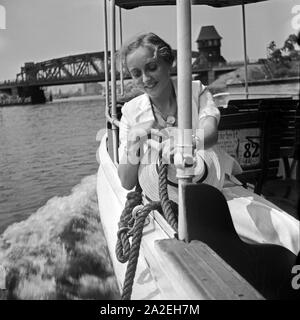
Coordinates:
[285,194]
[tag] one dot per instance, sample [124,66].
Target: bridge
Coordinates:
[81,68]
[74,69]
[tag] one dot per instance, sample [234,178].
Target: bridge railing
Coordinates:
[8,82]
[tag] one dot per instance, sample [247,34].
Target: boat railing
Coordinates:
[254,94]
[120,101]
[111,120]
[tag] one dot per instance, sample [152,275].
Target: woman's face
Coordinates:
[150,74]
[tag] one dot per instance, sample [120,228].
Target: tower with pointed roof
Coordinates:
[209,47]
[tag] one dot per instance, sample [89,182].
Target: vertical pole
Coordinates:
[121,43]
[106,59]
[184,101]
[113,78]
[245,50]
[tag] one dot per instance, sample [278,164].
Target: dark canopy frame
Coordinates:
[130,4]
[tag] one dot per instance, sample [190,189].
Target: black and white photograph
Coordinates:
[149,151]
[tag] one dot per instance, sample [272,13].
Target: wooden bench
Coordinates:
[289,124]
[253,104]
[253,139]
[244,104]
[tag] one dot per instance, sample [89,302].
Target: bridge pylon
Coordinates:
[37,95]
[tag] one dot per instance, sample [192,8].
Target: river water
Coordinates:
[51,243]
[51,240]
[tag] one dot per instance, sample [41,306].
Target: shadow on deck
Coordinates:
[285,194]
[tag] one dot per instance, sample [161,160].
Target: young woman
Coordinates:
[149,60]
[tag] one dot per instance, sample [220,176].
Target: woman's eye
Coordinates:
[152,66]
[135,73]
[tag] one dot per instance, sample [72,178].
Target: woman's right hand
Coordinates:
[129,165]
[140,130]
[138,135]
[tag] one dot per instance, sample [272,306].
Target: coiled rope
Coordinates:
[169,207]
[132,222]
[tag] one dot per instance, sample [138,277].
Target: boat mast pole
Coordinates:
[245,50]
[113,78]
[121,43]
[184,158]
[106,59]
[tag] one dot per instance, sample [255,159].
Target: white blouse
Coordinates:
[139,110]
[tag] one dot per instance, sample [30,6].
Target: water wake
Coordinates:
[60,251]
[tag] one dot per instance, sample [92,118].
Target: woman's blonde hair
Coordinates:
[149,40]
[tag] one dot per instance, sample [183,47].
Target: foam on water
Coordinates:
[60,251]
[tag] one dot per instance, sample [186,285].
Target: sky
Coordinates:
[38,30]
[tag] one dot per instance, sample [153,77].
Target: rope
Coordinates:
[169,207]
[134,198]
[132,222]
[134,252]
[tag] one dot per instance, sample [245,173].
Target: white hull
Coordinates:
[158,277]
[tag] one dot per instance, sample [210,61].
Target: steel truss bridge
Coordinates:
[80,68]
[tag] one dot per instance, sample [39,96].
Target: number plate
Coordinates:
[242,144]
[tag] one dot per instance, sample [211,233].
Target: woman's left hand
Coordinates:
[166,147]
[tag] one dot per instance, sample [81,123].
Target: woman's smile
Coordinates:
[149,73]
[150,86]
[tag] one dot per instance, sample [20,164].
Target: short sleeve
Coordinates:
[207,106]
